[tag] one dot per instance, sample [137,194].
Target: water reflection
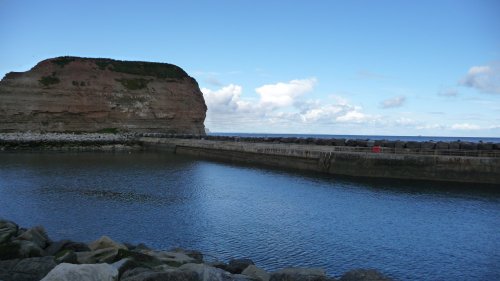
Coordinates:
[408,229]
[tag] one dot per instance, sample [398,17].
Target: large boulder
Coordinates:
[171,258]
[107,255]
[106,242]
[206,273]
[62,245]
[236,266]
[26,269]
[37,235]
[299,274]
[82,272]
[256,273]
[19,249]
[8,229]
[364,275]
[143,274]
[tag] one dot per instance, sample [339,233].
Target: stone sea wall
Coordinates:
[30,255]
[66,142]
[360,143]
[437,161]
[473,166]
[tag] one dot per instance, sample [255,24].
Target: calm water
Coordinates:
[410,231]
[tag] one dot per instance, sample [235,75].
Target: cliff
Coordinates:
[72,94]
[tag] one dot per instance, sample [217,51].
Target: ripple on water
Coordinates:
[409,230]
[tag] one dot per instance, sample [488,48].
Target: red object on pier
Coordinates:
[376,149]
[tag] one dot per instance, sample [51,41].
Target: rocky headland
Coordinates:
[73,94]
[29,254]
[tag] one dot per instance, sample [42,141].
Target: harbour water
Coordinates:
[408,230]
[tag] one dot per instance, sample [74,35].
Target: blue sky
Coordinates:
[329,67]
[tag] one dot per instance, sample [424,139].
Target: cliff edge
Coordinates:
[73,94]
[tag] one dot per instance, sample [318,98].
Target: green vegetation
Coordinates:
[62,61]
[108,131]
[49,80]
[134,84]
[160,70]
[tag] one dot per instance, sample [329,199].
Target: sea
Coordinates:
[409,230]
[365,137]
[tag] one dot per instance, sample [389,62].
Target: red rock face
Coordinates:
[70,94]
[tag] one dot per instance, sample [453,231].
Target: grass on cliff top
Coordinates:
[155,69]
[160,70]
[62,61]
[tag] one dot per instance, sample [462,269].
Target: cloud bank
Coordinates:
[485,78]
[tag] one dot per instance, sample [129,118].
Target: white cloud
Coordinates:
[433,126]
[485,79]
[224,99]
[353,116]
[283,94]
[393,102]
[465,126]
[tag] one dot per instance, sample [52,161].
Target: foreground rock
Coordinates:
[29,254]
[73,94]
[87,272]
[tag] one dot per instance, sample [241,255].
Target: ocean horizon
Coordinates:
[363,137]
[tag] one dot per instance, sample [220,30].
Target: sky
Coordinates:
[385,67]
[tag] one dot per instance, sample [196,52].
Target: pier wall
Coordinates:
[341,160]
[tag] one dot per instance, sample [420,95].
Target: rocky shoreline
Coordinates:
[69,141]
[29,254]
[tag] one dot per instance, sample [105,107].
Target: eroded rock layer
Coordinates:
[72,94]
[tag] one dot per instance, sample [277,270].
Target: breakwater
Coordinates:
[455,162]
[438,161]
[29,254]
[68,142]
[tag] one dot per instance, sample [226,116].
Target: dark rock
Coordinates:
[87,272]
[61,245]
[485,146]
[236,266]
[56,247]
[428,145]
[389,144]
[455,145]
[140,258]
[206,272]
[442,145]
[8,229]
[66,256]
[299,274]
[364,275]
[197,255]
[399,144]
[143,274]
[413,145]
[19,249]
[256,273]
[76,247]
[37,235]
[29,269]
[468,146]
